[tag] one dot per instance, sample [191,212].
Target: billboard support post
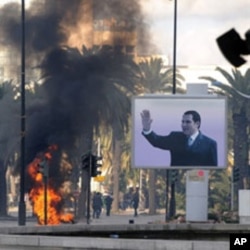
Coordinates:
[197,195]
[197,180]
[244,210]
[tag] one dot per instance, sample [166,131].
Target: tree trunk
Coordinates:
[240,146]
[152,205]
[143,188]
[116,170]
[3,190]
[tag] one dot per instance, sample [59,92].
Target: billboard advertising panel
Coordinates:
[163,125]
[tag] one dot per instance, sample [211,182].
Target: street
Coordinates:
[122,217]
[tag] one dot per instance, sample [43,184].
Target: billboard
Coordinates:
[162,127]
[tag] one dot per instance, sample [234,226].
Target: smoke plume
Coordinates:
[59,117]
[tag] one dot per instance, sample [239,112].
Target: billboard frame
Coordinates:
[212,108]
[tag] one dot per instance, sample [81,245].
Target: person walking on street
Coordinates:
[97,205]
[135,201]
[108,203]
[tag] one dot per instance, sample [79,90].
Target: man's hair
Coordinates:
[196,116]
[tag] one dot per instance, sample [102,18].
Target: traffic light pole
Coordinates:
[167,197]
[45,174]
[45,179]
[89,188]
[90,164]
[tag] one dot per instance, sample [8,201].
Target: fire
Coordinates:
[55,214]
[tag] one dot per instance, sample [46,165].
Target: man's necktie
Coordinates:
[190,141]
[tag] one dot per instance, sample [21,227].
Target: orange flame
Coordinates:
[55,214]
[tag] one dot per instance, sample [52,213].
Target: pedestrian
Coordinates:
[97,205]
[135,201]
[108,203]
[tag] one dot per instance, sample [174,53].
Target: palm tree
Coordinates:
[9,139]
[156,79]
[237,83]
[100,84]
[120,128]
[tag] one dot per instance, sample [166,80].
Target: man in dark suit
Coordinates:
[187,148]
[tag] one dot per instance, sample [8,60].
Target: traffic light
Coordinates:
[93,162]
[174,175]
[96,162]
[236,174]
[85,159]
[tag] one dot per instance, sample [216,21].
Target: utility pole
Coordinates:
[22,206]
[89,188]
[170,208]
[167,199]
[45,180]
[90,164]
[43,168]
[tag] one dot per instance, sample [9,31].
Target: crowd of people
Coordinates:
[104,201]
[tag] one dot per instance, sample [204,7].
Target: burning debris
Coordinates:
[51,206]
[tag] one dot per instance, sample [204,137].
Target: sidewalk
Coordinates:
[128,218]
[123,217]
[148,228]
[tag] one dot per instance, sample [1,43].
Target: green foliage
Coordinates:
[128,176]
[237,89]
[155,78]
[180,201]
[219,190]
[9,136]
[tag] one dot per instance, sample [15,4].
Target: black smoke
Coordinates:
[43,29]
[70,80]
[42,24]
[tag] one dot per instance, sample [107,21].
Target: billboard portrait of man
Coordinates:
[191,130]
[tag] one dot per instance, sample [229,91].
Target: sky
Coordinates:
[2,2]
[199,23]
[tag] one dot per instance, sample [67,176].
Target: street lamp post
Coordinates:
[171,207]
[174,47]
[172,190]
[22,208]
